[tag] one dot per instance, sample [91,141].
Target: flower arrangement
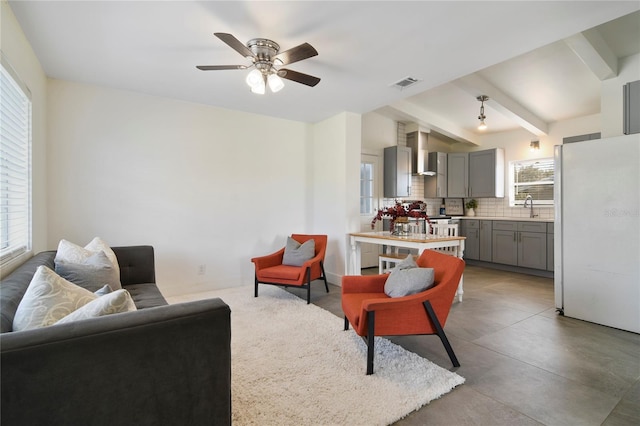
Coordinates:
[471,204]
[398,213]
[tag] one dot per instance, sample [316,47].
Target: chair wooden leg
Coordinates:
[308,285]
[324,276]
[371,316]
[440,332]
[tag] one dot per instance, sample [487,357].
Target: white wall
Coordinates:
[18,52]
[203,185]
[334,204]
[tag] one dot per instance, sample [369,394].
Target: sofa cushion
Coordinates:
[295,254]
[73,253]
[91,273]
[146,295]
[48,299]
[112,303]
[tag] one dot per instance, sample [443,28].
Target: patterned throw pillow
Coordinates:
[112,303]
[295,254]
[73,253]
[48,299]
[91,273]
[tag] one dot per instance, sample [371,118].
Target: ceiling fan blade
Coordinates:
[298,77]
[221,67]
[295,54]
[235,44]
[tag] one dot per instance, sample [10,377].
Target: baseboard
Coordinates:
[510,268]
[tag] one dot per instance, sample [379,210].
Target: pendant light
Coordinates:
[481,117]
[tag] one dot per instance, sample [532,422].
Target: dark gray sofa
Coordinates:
[160,365]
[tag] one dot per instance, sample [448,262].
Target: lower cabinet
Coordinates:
[470,229]
[520,244]
[486,238]
[550,247]
[477,246]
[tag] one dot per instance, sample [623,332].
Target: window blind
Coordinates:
[15,165]
[532,177]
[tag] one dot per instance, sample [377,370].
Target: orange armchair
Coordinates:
[270,270]
[372,313]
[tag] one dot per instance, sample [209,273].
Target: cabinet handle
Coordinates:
[515,237]
[519,237]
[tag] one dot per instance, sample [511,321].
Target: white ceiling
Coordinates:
[512,51]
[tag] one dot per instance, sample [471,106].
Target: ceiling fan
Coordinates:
[267,60]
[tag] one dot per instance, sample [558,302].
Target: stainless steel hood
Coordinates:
[417,141]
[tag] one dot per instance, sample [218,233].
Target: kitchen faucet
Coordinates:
[530,199]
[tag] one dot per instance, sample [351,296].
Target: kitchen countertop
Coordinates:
[518,219]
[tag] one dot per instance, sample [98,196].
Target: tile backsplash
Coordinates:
[489,207]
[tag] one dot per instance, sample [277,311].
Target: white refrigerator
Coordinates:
[597,231]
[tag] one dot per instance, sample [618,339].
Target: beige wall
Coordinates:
[203,185]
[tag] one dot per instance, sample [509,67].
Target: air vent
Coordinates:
[405,82]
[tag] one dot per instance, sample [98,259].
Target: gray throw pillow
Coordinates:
[295,254]
[104,290]
[406,279]
[91,273]
[406,263]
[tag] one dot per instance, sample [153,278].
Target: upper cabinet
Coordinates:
[478,174]
[486,173]
[436,186]
[457,174]
[397,171]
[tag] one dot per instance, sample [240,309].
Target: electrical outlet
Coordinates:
[202,269]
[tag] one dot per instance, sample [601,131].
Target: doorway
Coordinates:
[369,204]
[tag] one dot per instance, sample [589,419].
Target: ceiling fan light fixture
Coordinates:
[254,78]
[259,88]
[275,83]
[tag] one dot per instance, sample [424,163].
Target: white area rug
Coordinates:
[293,364]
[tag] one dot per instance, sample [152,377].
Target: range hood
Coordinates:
[417,141]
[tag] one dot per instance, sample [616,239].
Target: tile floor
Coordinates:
[523,364]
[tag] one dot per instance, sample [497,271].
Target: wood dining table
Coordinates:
[390,241]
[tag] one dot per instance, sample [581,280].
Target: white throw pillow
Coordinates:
[112,303]
[48,299]
[73,253]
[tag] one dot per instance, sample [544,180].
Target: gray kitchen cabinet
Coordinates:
[532,250]
[436,186]
[520,244]
[504,242]
[397,171]
[471,230]
[486,230]
[550,249]
[457,174]
[486,173]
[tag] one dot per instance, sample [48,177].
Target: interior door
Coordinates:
[369,203]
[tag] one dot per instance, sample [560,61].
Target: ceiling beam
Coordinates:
[503,103]
[591,48]
[403,110]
